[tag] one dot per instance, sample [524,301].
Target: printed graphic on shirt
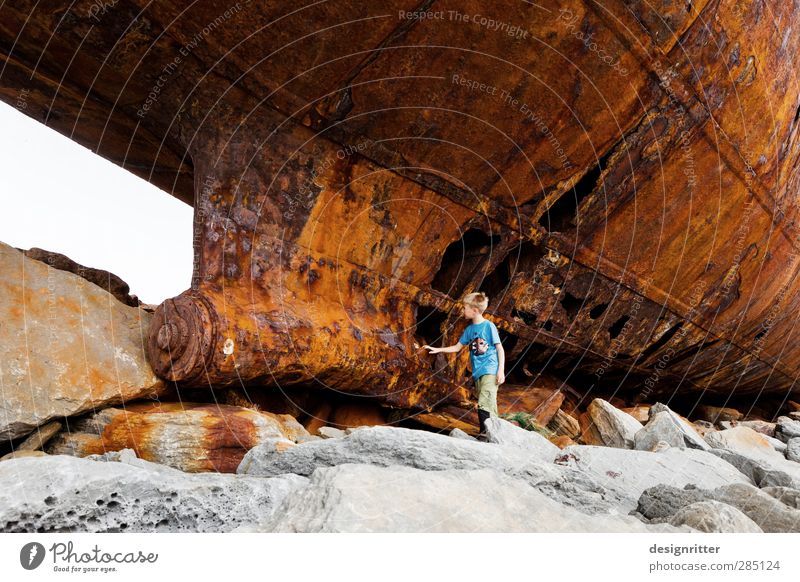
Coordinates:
[478,346]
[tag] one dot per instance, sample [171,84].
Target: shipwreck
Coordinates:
[620,178]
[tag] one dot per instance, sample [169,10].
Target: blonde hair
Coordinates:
[477,300]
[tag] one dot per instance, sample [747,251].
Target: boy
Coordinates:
[486,355]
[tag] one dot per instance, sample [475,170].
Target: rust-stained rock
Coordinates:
[631,212]
[717,414]
[563,424]
[640,413]
[188,436]
[66,346]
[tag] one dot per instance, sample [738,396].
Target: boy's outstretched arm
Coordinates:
[449,349]
[501,363]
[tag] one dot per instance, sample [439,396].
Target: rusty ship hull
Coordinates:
[619,178]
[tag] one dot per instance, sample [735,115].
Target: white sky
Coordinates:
[59,196]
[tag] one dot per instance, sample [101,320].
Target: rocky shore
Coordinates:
[94,442]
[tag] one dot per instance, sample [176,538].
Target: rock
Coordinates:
[187,436]
[777,472]
[794,415]
[124,456]
[768,513]
[779,446]
[661,427]
[793,450]
[107,281]
[715,414]
[358,414]
[386,446]
[714,517]
[614,427]
[754,454]
[66,346]
[329,432]
[661,502]
[691,436]
[762,426]
[634,471]
[787,428]
[563,424]
[398,499]
[793,406]
[306,438]
[22,455]
[640,412]
[785,495]
[39,437]
[744,441]
[70,494]
[460,434]
[502,432]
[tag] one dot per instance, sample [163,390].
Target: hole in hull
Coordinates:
[462,259]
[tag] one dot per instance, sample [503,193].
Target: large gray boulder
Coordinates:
[772,516]
[386,446]
[744,441]
[634,471]
[66,346]
[502,432]
[787,428]
[714,517]
[62,493]
[367,498]
[785,495]
[691,438]
[660,428]
[614,427]
[764,473]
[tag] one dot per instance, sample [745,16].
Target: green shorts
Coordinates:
[486,391]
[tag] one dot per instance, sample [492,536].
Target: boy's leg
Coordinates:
[487,394]
[487,399]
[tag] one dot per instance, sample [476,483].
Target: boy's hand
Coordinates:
[500,378]
[432,349]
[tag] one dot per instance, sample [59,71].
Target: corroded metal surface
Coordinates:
[620,177]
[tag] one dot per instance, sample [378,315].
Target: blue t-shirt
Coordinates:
[480,339]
